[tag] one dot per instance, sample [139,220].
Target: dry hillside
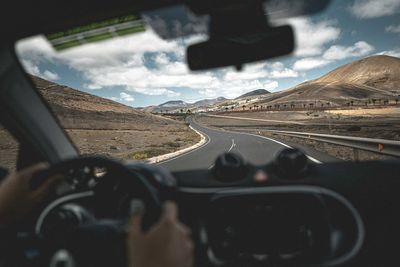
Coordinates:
[382,72]
[357,99]
[79,110]
[372,78]
[102,126]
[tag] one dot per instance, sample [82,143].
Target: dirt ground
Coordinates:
[371,123]
[121,144]
[103,127]
[131,144]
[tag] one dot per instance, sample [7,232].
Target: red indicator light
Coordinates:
[260,176]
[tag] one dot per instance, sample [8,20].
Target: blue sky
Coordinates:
[142,69]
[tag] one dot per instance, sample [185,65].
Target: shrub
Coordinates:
[172,144]
[148,153]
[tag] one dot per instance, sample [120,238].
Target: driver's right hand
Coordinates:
[166,244]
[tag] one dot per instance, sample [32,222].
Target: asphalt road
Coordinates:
[253,148]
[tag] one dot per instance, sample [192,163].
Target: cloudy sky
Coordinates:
[142,69]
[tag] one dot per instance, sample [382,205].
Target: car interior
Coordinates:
[300,214]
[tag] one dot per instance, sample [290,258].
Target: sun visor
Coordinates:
[97,31]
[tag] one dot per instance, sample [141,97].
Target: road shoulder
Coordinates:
[162,158]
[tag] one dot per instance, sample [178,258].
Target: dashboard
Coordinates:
[300,224]
[289,212]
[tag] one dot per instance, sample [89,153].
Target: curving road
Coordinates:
[253,148]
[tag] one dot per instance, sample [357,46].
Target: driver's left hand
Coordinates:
[17,199]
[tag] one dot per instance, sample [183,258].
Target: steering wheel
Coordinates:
[109,186]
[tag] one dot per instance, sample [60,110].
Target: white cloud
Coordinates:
[32,68]
[110,52]
[162,59]
[393,28]
[332,54]
[35,48]
[175,68]
[393,53]
[270,85]
[118,50]
[285,73]
[278,70]
[120,63]
[208,92]
[132,74]
[306,64]
[366,9]
[126,97]
[251,72]
[92,86]
[155,91]
[338,52]
[49,75]
[255,71]
[311,37]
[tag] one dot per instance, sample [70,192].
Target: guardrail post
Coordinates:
[382,146]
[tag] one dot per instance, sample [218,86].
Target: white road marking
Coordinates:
[189,152]
[282,144]
[233,145]
[285,145]
[314,159]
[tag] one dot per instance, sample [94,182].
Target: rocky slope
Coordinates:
[374,79]
[254,93]
[79,110]
[381,72]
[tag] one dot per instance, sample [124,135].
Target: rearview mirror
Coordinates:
[240,33]
[237,50]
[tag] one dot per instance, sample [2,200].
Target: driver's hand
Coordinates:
[166,244]
[17,199]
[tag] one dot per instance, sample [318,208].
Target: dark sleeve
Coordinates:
[9,252]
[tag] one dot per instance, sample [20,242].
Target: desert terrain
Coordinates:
[359,99]
[101,126]
[381,123]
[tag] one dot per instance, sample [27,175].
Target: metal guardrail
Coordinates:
[382,146]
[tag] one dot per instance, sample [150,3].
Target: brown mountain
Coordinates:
[256,92]
[381,72]
[177,105]
[375,77]
[76,109]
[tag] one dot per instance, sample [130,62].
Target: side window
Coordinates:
[8,150]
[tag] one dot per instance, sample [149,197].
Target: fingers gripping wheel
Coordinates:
[112,180]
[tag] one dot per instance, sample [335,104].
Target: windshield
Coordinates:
[133,96]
